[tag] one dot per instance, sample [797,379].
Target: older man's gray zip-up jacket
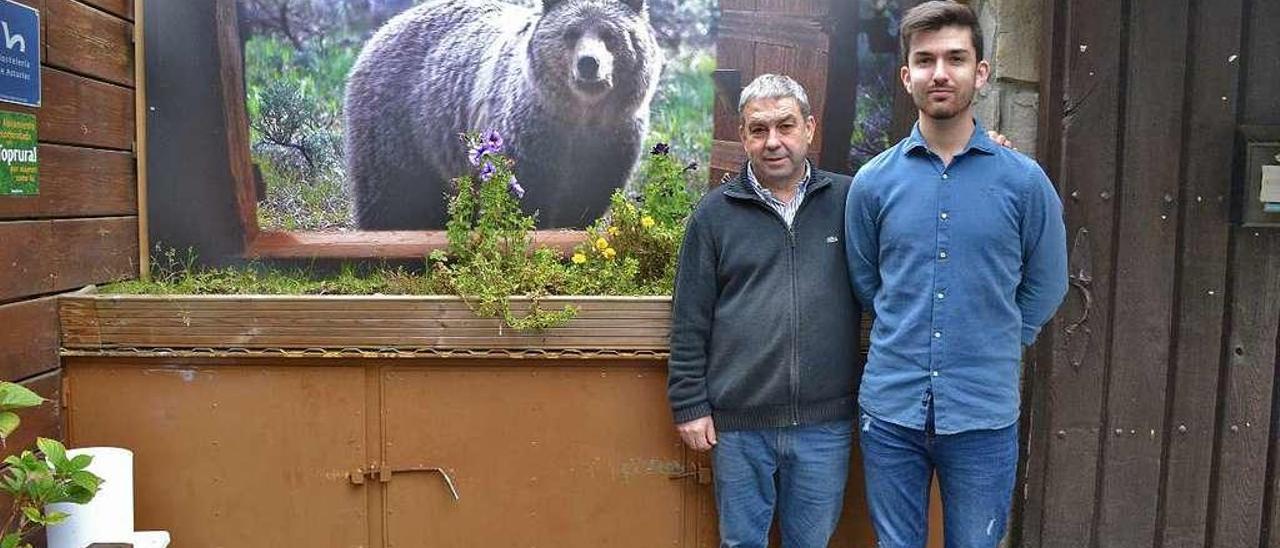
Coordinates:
[765,328]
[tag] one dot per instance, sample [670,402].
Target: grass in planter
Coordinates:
[177,273]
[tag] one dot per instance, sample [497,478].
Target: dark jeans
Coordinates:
[811,466]
[976,474]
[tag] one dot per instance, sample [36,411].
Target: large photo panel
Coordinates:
[355,107]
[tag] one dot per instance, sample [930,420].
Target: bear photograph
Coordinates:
[356,108]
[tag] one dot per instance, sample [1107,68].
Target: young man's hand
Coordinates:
[698,434]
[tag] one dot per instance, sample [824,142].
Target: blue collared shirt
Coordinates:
[962,264]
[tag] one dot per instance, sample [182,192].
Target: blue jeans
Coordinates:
[976,474]
[800,469]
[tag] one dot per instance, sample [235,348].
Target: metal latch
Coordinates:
[703,473]
[384,475]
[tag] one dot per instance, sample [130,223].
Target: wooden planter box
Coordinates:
[430,326]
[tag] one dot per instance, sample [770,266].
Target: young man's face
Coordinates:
[943,72]
[776,136]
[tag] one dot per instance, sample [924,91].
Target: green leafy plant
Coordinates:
[33,480]
[491,255]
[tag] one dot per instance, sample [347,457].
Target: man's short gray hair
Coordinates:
[774,86]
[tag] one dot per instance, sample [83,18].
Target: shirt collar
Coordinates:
[979,141]
[767,194]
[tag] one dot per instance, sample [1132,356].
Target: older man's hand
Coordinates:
[698,434]
[1000,139]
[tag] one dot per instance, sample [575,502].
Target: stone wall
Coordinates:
[1011,101]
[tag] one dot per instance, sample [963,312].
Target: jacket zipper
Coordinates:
[795,302]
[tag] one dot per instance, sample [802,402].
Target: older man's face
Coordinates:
[776,136]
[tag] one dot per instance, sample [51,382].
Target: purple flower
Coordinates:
[493,140]
[487,171]
[692,166]
[660,149]
[477,154]
[516,189]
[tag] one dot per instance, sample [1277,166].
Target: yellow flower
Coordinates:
[647,221]
[602,244]
[579,258]
[609,252]
[614,231]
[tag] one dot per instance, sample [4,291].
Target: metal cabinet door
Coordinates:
[234,454]
[539,455]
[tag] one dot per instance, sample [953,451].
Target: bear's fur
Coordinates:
[569,90]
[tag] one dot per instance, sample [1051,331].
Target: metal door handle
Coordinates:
[384,475]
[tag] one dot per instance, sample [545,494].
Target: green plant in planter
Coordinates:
[491,255]
[632,250]
[34,481]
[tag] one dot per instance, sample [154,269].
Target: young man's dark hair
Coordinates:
[936,14]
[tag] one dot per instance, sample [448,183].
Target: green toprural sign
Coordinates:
[19,170]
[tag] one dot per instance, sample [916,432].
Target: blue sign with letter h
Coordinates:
[19,54]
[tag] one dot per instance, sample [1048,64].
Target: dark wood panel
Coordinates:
[837,121]
[49,256]
[44,421]
[122,8]
[1262,106]
[1145,263]
[87,41]
[1249,375]
[774,29]
[81,111]
[1090,129]
[78,182]
[1249,389]
[738,55]
[1202,266]
[1261,101]
[29,338]
[1025,523]
[815,8]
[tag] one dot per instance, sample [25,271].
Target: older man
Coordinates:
[764,347]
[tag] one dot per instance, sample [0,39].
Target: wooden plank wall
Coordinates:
[83,226]
[1154,422]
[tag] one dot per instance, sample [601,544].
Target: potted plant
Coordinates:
[34,479]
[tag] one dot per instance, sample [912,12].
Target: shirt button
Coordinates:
[937,334]
[945,176]
[941,295]
[942,255]
[944,216]
[935,373]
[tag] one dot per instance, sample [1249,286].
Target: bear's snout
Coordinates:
[588,68]
[593,63]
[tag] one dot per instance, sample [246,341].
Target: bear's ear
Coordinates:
[637,5]
[548,5]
